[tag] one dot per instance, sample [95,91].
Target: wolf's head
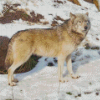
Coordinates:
[80,23]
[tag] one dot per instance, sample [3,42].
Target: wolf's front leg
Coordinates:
[69,67]
[60,69]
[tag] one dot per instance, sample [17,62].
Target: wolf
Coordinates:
[59,41]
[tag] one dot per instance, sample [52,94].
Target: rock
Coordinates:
[3,50]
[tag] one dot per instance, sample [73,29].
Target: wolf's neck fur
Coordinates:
[77,38]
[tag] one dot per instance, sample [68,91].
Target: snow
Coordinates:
[41,83]
[10,29]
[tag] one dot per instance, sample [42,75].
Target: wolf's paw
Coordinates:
[74,76]
[15,80]
[63,80]
[12,84]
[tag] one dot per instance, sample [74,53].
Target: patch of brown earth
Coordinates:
[3,50]
[45,23]
[58,1]
[10,14]
[54,22]
[59,18]
[90,1]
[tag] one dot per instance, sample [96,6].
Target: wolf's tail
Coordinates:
[9,57]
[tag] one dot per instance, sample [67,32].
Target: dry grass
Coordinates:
[96,3]
[75,2]
[29,65]
[90,1]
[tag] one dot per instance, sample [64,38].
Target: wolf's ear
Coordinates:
[87,13]
[72,16]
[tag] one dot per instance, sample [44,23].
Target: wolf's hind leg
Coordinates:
[69,67]
[14,66]
[21,56]
[11,70]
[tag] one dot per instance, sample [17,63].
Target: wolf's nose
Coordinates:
[85,27]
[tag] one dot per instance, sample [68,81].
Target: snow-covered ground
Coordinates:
[42,83]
